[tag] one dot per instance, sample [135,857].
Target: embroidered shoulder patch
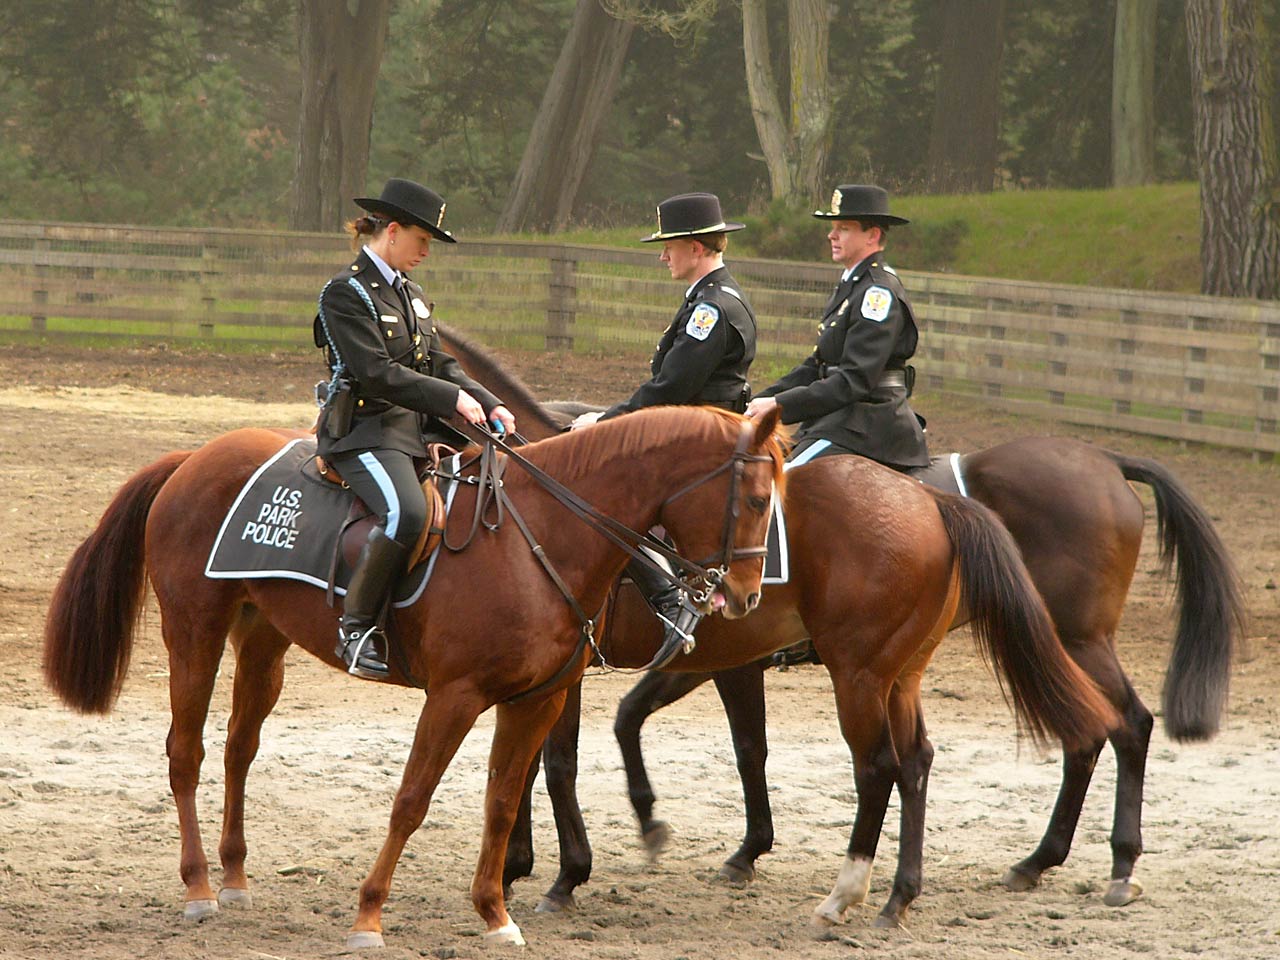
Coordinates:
[876,303]
[703,321]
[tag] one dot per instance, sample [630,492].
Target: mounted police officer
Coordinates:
[391,388]
[851,394]
[705,352]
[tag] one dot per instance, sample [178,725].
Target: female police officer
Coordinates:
[390,389]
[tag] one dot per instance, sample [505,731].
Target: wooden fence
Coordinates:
[1184,367]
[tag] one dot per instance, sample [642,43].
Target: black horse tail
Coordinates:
[1209,601]
[1050,694]
[88,633]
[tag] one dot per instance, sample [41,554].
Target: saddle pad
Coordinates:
[943,473]
[777,562]
[286,522]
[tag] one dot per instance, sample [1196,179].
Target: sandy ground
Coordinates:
[88,833]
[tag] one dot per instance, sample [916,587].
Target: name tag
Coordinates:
[390,318]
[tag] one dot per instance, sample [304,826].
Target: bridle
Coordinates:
[698,580]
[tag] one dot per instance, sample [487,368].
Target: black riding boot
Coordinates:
[667,601]
[361,643]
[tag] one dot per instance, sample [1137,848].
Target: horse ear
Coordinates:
[766,425]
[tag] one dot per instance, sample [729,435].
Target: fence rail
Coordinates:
[1190,368]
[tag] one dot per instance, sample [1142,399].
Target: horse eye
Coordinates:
[757,503]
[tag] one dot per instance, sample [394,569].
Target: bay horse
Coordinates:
[876,587]
[1075,517]
[517,650]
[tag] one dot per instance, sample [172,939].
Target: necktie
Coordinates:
[403,292]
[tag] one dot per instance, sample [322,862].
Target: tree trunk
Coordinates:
[565,131]
[766,109]
[1133,94]
[966,115]
[1235,149]
[340,47]
[809,23]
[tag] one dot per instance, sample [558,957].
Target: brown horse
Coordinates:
[878,578]
[518,650]
[1078,525]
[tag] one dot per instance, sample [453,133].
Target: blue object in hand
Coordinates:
[497,427]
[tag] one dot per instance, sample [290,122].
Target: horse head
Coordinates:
[741,491]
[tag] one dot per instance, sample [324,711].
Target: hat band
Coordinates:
[715,228]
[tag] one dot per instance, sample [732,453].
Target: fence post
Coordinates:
[562,301]
[208,298]
[40,295]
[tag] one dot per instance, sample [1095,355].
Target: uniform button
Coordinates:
[355,266]
[374,284]
[359,403]
[419,354]
[391,333]
[417,338]
[819,326]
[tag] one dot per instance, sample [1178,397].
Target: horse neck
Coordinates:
[531,420]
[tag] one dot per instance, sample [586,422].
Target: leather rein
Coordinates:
[699,579]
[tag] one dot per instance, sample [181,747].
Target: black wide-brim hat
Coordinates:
[852,201]
[690,215]
[411,204]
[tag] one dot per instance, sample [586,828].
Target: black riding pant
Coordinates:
[388,484]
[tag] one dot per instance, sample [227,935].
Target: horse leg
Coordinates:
[448,715]
[915,754]
[654,691]
[561,756]
[518,734]
[742,693]
[195,650]
[519,862]
[1129,740]
[260,650]
[861,705]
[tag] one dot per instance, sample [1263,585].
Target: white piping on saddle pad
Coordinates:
[231,513]
[956,472]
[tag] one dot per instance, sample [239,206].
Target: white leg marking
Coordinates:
[508,933]
[851,887]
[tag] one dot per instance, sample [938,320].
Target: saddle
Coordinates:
[360,519]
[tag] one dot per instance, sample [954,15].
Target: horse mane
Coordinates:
[484,367]
[571,456]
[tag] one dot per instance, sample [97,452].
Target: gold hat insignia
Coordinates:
[440,218]
[836,199]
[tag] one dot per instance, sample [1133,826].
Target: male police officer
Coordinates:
[705,352]
[850,395]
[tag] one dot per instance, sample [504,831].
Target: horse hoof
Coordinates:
[656,837]
[730,872]
[1122,892]
[236,898]
[824,919]
[1019,882]
[556,904]
[886,921]
[509,934]
[364,940]
[198,910]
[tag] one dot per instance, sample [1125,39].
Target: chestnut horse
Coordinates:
[877,581]
[518,650]
[1078,524]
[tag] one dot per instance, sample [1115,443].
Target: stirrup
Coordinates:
[678,637]
[359,652]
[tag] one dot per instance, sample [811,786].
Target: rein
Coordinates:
[703,577]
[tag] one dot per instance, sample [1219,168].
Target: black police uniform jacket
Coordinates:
[405,384]
[867,329]
[704,355]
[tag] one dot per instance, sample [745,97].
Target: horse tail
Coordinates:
[1208,598]
[1051,695]
[88,633]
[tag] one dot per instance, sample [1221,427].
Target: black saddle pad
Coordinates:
[286,523]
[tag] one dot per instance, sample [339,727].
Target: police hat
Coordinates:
[690,215]
[851,201]
[411,204]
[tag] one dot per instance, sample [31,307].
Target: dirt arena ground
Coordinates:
[88,833]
